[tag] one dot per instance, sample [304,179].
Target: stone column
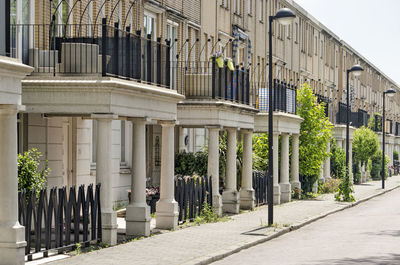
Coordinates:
[247,192]
[167,207]
[339,143]
[181,140]
[295,162]
[230,196]
[327,163]
[277,188]
[12,239]
[138,212]
[213,167]
[286,191]
[104,176]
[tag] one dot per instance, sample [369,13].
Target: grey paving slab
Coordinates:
[202,244]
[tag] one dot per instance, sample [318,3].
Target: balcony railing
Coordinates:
[92,49]
[358,118]
[205,80]
[284,96]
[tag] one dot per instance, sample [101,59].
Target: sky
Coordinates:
[371,27]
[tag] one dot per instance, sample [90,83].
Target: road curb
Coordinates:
[236,248]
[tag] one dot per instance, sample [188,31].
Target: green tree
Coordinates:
[315,134]
[365,145]
[30,176]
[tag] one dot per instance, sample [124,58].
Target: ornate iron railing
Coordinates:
[192,194]
[59,220]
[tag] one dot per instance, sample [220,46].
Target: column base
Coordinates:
[277,194]
[138,220]
[109,228]
[286,192]
[12,247]
[217,204]
[247,199]
[167,214]
[296,185]
[230,201]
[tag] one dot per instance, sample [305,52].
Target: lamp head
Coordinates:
[390,92]
[356,70]
[285,16]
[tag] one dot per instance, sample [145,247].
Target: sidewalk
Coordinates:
[209,242]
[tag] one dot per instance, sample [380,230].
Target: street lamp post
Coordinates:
[285,16]
[390,93]
[356,70]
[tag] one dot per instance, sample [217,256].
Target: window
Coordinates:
[260,10]
[236,6]
[321,46]
[150,25]
[123,142]
[295,32]
[249,3]
[223,3]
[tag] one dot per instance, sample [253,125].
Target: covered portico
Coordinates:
[285,125]
[12,239]
[106,100]
[235,118]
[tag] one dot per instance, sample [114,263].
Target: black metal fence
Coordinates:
[92,49]
[192,194]
[357,119]
[284,95]
[57,221]
[326,100]
[205,80]
[260,187]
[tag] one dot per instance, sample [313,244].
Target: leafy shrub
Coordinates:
[395,155]
[345,189]
[315,134]
[356,173]
[376,168]
[30,176]
[338,161]
[184,163]
[296,193]
[375,122]
[330,186]
[260,152]
[188,164]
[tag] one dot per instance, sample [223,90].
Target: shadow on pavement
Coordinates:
[385,233]
[388,259]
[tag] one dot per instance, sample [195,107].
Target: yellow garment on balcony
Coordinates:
[220,62]
[230,65]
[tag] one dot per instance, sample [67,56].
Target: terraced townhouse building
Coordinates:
[114,88]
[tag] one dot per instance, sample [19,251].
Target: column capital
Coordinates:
[231,128]
[11,109]
[213,127]
[167,123]
[246,131]
[104,116]
[139,119]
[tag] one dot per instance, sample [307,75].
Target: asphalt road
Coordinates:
[365,234]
